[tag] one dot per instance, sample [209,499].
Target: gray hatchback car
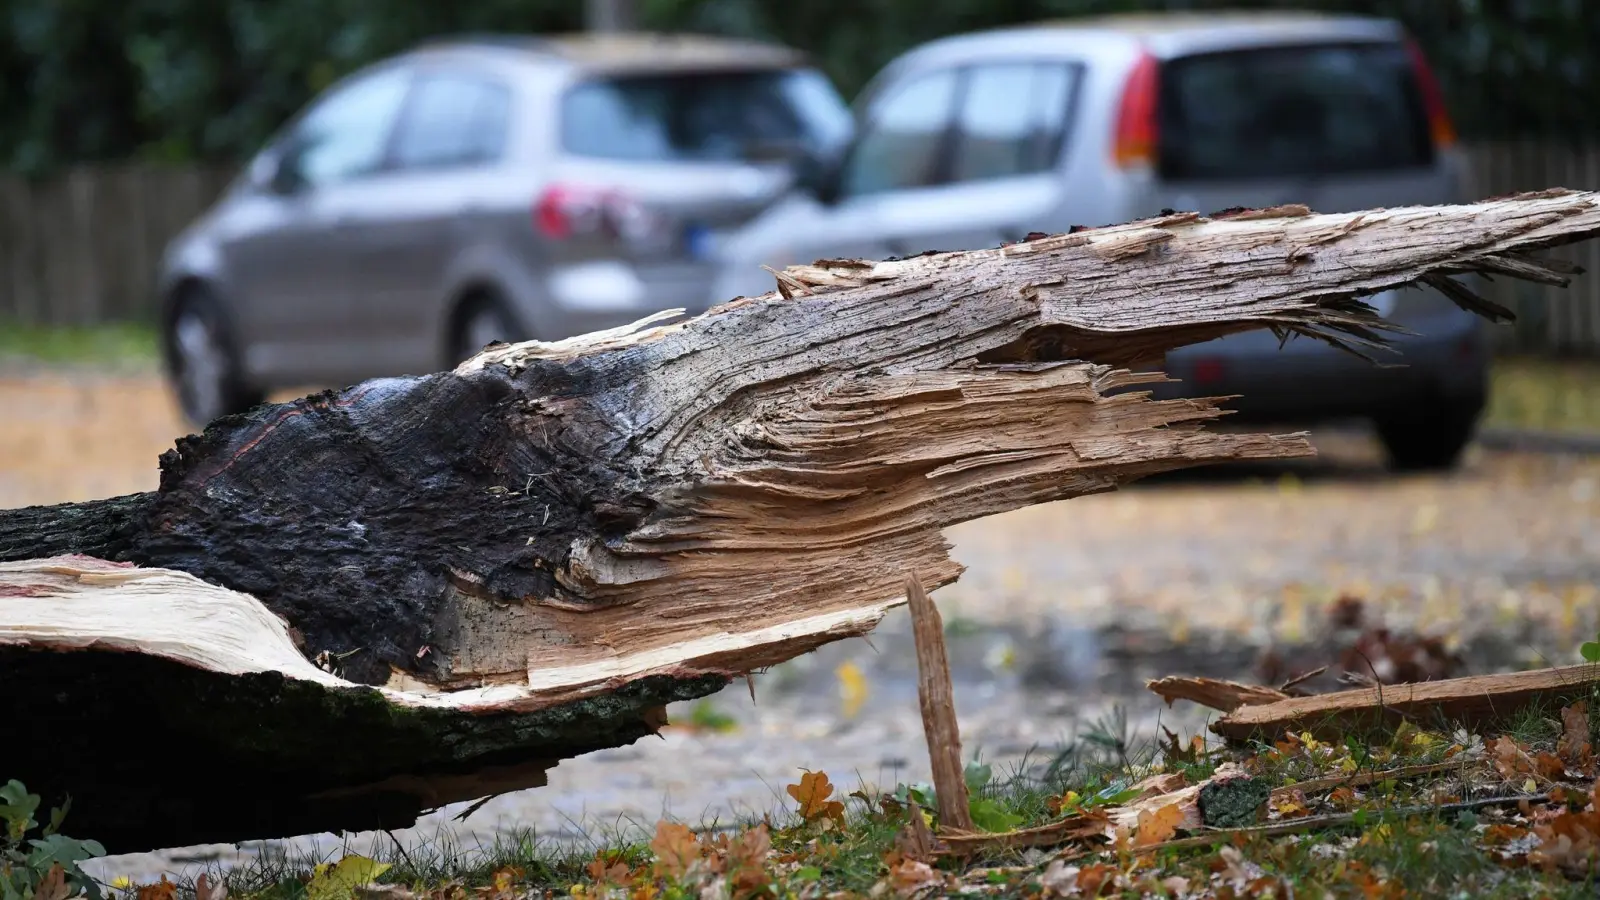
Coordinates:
[479,189]
[978,139]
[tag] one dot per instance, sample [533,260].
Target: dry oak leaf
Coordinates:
[742,861]
[1574,747]
[607,869]
[54,885]
[812,794]
[1158,825]
[915,840]
[1100,878]
[1549,765]
[205,890]
[1511,759]
[164,890]
[676,849]
[909,877]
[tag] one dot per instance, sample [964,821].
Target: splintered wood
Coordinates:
[373,593]
[937,697]
[1257,712]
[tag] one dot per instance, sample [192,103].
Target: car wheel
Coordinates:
[203,361]
[482,321]
[1429,439]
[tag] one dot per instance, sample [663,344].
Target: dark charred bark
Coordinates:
[175,756]
[101,528]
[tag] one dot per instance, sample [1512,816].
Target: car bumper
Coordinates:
[1445,362]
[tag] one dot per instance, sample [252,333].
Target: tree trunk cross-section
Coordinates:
[580,532]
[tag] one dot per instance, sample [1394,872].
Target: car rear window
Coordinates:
[704,117]
[1287,111]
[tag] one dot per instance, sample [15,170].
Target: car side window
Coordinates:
[1012,120]
[901,141]
[453,119]
[345,135]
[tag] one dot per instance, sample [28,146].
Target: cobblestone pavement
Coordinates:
[1063,611]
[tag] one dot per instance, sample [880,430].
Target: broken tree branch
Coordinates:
[1447,702]
[365,602]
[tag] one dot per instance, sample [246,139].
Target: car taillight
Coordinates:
[1136,115]
[566,211]
[1439,124]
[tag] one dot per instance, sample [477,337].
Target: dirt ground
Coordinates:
[1062,613]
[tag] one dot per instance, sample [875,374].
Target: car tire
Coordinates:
[203,363]
[482,320]
[1429,438]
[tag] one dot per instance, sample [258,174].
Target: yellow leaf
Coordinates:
[1530,786]
[852,688]
[812,794]
[1158,825]
[339,880]
[1377,835]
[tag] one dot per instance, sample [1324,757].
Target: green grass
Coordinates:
[115,345]
[1398,838]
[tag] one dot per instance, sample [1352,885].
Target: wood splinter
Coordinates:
[936,694]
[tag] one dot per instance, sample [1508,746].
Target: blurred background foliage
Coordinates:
[180,80]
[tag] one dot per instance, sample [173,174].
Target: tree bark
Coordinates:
[491,569]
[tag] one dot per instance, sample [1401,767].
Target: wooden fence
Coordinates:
[84,248]
[1550,320]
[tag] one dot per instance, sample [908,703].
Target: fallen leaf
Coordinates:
[744,861]
[1342,798]
[205,890]
[1158,825]
[54,885]
[1574,747]
[915,840]
[338,881]
[1510,758]
[1290,805]
[910,877]
[1549,765]
[676,849]
[607,868]
[500,883]
[163,890]
[812,794]
[1097,879]
[1570,841]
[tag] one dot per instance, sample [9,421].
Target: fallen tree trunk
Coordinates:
[368,602]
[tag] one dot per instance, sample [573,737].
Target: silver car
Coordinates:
[480,189]
[976,140]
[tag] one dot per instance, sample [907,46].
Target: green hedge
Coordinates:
[181,80]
